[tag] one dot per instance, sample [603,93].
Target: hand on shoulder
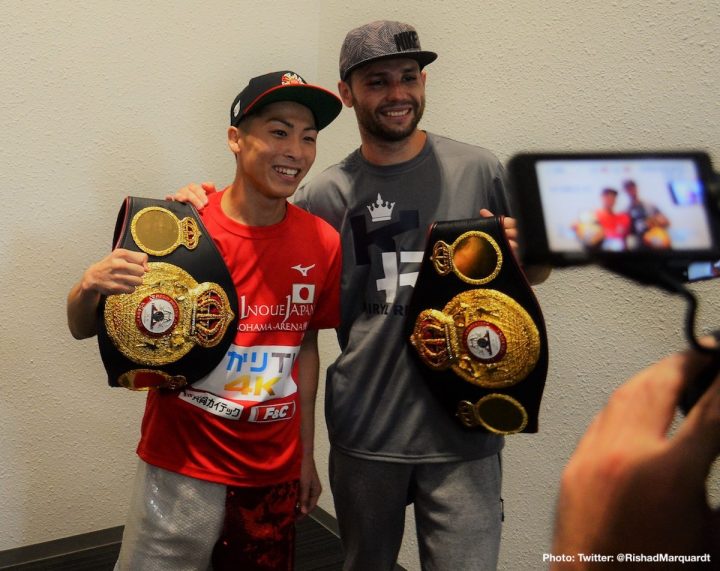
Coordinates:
[195,194]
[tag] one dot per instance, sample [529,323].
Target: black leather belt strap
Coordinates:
[477,328]
[178,325]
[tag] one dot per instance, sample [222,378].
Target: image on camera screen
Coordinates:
[623,205]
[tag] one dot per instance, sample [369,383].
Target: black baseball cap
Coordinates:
[285,86]
[382,39]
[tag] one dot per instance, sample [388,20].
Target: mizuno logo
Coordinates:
[303,270]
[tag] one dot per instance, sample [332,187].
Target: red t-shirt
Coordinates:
[240,425]
[614,224]
[616,228]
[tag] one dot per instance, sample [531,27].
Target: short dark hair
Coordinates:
[628,183]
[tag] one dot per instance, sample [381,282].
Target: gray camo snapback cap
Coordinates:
[382,39]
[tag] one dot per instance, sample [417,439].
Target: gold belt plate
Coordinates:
[486,337]
[166,316]
[497,413]
[158,232]
[474,257]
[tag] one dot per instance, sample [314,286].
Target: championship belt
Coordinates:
[477,328]
[179,323]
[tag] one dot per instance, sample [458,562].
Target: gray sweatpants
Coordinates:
[458,512]
[173,524]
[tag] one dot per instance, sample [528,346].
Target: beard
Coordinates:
[371,124]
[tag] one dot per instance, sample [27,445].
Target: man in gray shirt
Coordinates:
[392,444]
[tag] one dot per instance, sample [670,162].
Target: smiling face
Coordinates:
[632,191]
[609,197]
[275,148]
[388,97]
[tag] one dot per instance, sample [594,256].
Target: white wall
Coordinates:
[102,100]
[530,75]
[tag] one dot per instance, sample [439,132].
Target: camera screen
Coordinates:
[623,204]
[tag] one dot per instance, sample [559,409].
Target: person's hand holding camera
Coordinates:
[629,487]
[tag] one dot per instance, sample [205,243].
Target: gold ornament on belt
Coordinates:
[498,413]
[158,232]
[166,316]
[486,338]
[475,257]
[149,379]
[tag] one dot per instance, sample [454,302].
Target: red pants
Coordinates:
[259,529]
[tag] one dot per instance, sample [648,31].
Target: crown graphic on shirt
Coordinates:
[381,210]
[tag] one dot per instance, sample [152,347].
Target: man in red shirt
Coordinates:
[615,225]
[227,463]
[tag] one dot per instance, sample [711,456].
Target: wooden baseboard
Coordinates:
[67,546]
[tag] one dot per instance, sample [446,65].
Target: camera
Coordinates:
[659,209]
[653,217]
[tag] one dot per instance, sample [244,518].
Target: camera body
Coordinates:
[616,208]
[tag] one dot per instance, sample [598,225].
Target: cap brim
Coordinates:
[324,104]
[422,57]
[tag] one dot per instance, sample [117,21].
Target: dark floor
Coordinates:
[318,549]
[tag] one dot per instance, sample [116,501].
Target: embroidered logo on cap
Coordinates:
[407,41]
[292,79]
